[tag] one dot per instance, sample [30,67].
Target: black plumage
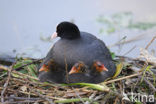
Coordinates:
[74,46]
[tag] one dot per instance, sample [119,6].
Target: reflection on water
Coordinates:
[22,23]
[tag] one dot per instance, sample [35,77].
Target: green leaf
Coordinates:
[99,87]
[113,55]
[119,68]
[4,73]
[31,70]
[144,73]
[21,62]
[72,100]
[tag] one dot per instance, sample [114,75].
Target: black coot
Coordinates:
[75,46]
[79,73]
[51,72]
[99,72]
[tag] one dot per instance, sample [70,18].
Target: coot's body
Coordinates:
[86,48]
[52,76]
[79,78]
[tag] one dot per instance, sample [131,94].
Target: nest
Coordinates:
[133,82]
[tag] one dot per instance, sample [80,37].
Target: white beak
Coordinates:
[54,35]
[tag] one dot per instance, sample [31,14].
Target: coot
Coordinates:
[79,73]
[74,46]
[51,72]
[99,72]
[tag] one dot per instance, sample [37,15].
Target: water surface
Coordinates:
[23,22]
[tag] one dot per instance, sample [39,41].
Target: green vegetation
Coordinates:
[120,21]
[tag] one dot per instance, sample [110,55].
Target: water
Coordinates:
[23,22]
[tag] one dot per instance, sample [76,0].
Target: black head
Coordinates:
[67,30]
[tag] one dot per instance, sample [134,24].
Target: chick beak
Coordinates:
[54,35]
[104,68]
[43,68]
[73,70]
